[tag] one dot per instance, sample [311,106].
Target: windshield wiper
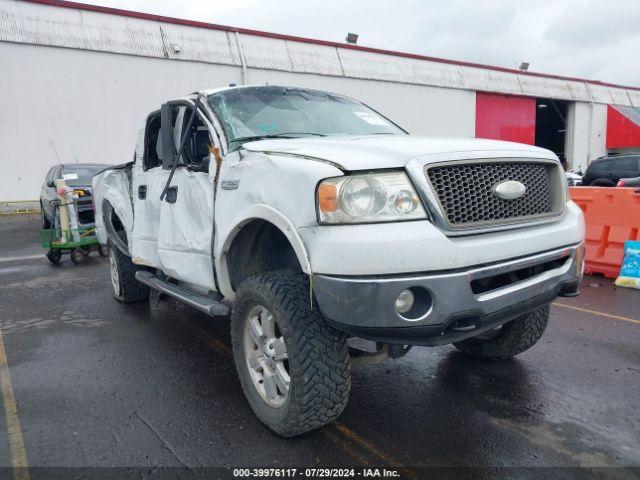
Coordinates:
[276,135]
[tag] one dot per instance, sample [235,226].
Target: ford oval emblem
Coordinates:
[509,190]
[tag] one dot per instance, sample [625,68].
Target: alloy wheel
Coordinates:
[266,356]
[114,273]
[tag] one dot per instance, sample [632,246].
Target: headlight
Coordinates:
[371,197]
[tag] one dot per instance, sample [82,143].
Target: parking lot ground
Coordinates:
[100,384]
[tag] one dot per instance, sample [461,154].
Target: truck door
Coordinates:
[186,213]
[148,181]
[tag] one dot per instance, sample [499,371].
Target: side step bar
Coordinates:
[201,302]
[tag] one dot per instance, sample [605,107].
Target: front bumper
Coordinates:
[455,304]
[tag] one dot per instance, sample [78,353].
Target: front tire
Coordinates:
[122,271]
[508,340]
[294,368]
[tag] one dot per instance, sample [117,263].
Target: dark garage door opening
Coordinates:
[551,126]
[536,121]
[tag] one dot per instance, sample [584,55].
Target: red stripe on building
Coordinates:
[623,127]
[505,117]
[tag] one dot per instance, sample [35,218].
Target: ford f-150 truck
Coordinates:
[313,220]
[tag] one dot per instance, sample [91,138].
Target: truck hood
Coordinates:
[385,151]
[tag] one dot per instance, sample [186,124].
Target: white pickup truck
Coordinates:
[312,219]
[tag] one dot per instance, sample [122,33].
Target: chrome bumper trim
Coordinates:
[369,302]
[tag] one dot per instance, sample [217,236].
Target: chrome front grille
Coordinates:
[465,191]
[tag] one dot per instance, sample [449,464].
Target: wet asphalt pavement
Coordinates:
[100,384]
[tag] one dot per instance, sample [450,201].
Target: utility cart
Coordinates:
[76,241]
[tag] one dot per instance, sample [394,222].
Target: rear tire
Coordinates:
[509,340]
[122,270]
[294,368]
[602,182]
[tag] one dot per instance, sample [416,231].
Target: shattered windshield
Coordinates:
[256,113]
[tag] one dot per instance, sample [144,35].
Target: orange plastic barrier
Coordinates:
[612,216]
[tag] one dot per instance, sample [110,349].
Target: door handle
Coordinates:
[172,194]
[142,192]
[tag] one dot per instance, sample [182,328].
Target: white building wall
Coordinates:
[586,133]
[598,131]
[143,35]
[577,136]
[81,80]
[87,105]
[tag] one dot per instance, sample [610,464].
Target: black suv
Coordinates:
[78,176]
[606,171]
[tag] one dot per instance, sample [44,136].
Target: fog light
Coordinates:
[404,301]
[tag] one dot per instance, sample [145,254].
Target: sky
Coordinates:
[593,39]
